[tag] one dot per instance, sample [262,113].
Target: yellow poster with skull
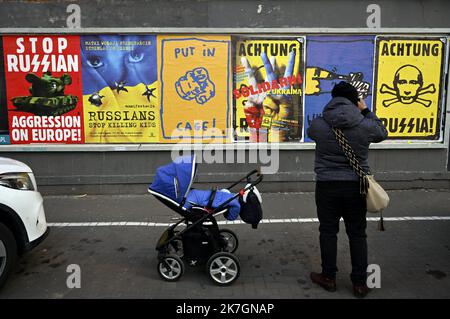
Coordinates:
[195,88]
[408,80]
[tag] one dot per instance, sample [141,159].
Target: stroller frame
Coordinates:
[195,219]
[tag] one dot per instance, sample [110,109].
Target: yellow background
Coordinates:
[113,102]
[174,108]
[255,62]
[431,71]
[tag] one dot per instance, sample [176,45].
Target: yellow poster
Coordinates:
[408,86]
[268,89]
[194,79]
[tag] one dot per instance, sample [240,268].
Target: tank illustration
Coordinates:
[47,96]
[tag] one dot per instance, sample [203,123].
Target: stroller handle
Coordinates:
[247,178]
[250,185]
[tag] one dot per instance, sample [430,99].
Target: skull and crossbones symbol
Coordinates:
[408,86]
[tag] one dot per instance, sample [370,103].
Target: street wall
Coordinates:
[360,42]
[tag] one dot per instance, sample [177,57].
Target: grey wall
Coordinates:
[130,172]
[222,13]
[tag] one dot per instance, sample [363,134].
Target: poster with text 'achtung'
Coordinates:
[408,86]
[267,91]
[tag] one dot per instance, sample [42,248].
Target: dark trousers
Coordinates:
[336,199]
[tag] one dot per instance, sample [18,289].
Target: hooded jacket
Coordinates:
[360,129]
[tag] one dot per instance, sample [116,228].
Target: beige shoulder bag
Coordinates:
[376,197]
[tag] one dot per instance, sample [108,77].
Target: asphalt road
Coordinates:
[119,260]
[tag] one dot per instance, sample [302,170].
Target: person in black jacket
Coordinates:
[337,185]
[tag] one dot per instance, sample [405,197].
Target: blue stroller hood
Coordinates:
[174,180]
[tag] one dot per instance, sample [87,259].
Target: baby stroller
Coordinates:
[200,241]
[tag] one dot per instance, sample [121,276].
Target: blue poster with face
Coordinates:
[120,88]
[331,59]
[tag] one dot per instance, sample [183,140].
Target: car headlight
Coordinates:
[20,181]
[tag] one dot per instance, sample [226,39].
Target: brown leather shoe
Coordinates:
[326,283]
[360,291]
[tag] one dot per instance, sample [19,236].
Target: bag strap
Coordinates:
[351,156]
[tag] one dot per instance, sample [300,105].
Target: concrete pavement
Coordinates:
[276,259]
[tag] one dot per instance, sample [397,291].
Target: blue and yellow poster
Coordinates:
[4,129]
[331,59]
[120,88]
[195,88]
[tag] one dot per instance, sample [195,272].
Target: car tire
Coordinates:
[8,253]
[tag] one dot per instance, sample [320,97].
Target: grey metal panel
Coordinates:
[106,13]
[231,31]
[129,163]
[122,172]
[407,160]
[222,13]
[327,13]
[417,144]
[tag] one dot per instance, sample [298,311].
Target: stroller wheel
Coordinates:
[223,268]
[231,240]
[170,268]
[176,247]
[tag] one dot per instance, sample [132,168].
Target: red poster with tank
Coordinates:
[44,92]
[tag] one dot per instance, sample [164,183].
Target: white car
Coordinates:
[22,218]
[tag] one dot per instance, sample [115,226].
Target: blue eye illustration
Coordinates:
[135,57]
[94,61]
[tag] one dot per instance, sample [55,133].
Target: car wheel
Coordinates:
[8,253]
